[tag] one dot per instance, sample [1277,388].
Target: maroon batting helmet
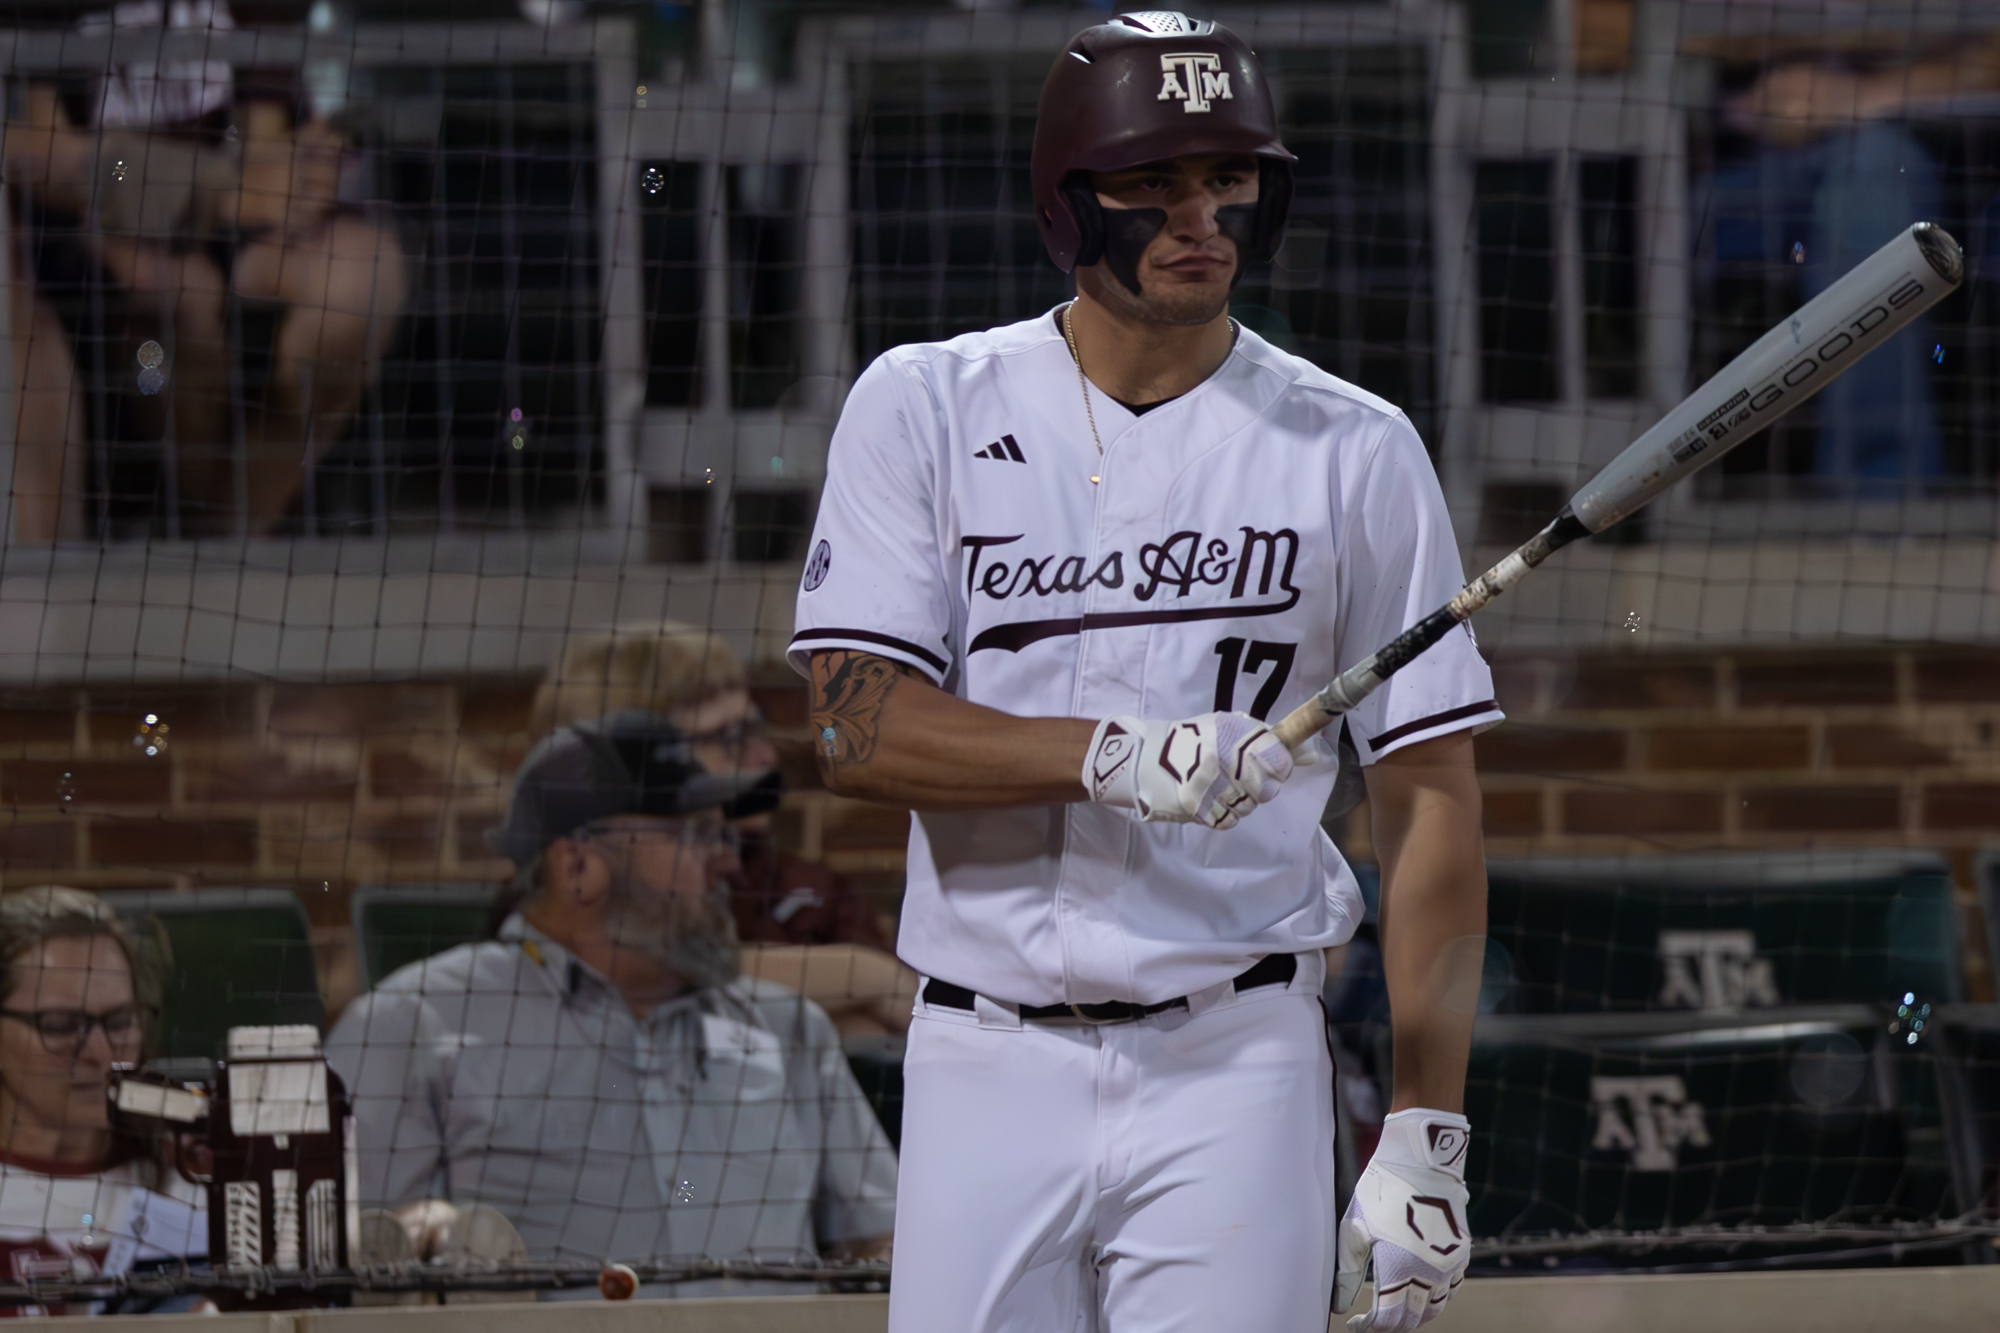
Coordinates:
[1143,88]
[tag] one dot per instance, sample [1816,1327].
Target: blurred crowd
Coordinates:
[199,274]
[166,209]
[1817,164]
[644,1060]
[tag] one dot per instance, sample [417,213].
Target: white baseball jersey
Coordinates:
[1244,543]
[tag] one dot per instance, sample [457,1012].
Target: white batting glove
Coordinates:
[1408,1215]
[1213,769]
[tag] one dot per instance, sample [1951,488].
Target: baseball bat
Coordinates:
[1822,340]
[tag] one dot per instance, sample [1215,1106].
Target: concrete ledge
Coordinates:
[1861,1300]
[388,611]
[1852,1300]
[783,1314]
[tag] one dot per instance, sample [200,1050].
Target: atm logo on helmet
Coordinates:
[1196,79]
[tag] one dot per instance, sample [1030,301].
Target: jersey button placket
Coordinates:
[1084,834]
[1099,844]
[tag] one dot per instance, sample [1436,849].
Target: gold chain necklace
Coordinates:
[1069,336]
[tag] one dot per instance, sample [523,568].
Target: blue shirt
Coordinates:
[724,1125]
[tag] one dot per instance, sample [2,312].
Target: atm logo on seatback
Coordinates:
[1649,1118]
[1715,971]
[1196,79]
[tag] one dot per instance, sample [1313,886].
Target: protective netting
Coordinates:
[394,384]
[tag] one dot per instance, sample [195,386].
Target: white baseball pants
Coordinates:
[1168,1175]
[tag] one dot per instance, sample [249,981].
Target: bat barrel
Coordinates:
[1870,304]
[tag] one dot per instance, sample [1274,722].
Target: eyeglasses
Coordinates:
[734,735]
[65,1031]
[697,833]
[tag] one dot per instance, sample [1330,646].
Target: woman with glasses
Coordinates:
[76,1197]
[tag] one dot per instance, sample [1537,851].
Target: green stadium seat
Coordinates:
[239,957]
[1970,1047]
[1617,1123]
[1723,932]
[396,925]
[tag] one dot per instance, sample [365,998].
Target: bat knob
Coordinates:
[618,1282]
[1941,251]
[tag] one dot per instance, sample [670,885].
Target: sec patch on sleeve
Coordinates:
[816,568]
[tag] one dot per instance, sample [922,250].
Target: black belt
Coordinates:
[1276,969]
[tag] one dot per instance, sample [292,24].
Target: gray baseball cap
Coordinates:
[627,763]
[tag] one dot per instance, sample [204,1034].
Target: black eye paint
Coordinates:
[1127,233]
[1239,223]
[1119,236]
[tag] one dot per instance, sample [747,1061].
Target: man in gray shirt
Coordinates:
[600,1073]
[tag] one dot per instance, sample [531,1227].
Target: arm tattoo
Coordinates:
[852,689]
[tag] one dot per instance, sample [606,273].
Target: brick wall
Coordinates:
[1841,748]
[322,787]
[316,787]
[1833,748]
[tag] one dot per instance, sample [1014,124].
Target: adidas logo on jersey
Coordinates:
[1002,450]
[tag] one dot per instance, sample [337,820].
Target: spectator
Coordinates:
[600,1073]
[77,994]
[178,198]
[811,932]
[1825,176]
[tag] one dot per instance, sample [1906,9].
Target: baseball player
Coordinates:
[1063,572]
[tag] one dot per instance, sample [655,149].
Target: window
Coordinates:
[1350,289]
[670,247]
[771,526]
[1510,38]
[1608,196]
[678,530]
[945,240]
[489,399]
[764,275]
[1515,217]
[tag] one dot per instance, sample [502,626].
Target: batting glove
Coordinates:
[1213,769]
[1408,1215]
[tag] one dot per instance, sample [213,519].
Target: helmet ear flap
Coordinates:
[1089,217]
[1274,203]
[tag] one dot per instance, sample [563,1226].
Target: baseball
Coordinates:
[618,1282]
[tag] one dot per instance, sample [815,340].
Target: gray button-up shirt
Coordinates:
[724,1125]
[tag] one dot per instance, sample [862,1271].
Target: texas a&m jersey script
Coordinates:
[1234,548]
